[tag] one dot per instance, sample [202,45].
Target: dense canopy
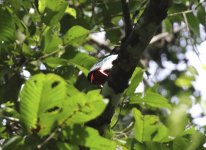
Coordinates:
[152,98]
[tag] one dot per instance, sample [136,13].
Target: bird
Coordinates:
[100,71]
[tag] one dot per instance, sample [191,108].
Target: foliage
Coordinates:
[46,52]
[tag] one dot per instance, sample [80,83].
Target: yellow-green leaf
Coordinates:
[75,36]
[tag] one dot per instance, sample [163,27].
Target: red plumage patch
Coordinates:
[100,71]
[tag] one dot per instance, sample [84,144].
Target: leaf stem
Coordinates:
[50,54]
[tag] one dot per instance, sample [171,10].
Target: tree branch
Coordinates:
[129,55]
[99,44]
[126,16]
[166,34]
[131,50]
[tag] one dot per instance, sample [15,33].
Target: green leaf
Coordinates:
[161,134]
[178,120]
[178,7]
[89,48]
[69,73]
[149,128]
[156,146]
[51,41]
[151,99]
[184,80]
[16,141]
[88,137]
[72,12]
[135,80]
[197,141]
[167,25]
[41,102]
[55,62]
[113,35]
[83,107]
[201,14]
[193,23]
[44,103]
[75,36]
[139,146]
[180,143]
[81,60]
[52,10]
[7,27]
[189,131]
[13,84]
[66,146]
[139,124]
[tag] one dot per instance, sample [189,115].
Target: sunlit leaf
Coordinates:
[75,36]
[81,60]
[177,120]
[88,137]
[135,80]
[189,131]
[197,140]
[181,143]
[139,125]
[162,134]
[149,127]
[185,80]
[151,99]
[71,11]
[66,146]
[89,48]
[7,27]
[55,61]
[41,102]
[52,10]
[45,103]
[51,41]
[84,107]
[156,146]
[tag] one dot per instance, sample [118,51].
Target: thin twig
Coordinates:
[190,37]
[200,4]
[50,54]
[180,13]
[125,131]
[52,134]
[121,106]
[186,22]
[187,11]
[48,139]
[10,118]
[128,127]
[165,34]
